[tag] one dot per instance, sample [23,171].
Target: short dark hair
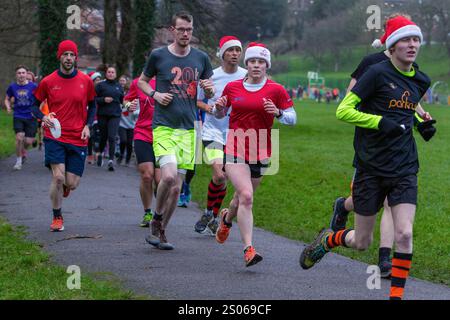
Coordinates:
[21,66]
[184,15]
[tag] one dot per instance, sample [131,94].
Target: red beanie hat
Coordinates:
[396,29]
[226,43]
[67,45]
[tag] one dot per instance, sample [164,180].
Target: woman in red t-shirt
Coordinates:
[255,102]
[137,101]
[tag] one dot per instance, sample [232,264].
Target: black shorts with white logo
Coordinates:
[369,192]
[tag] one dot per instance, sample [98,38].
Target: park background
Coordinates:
[326,38]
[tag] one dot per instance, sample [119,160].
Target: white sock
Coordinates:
[19,160]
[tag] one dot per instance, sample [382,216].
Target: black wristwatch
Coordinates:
[152,93]
[281,114]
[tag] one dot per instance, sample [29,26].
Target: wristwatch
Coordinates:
[152,93]
[281,114]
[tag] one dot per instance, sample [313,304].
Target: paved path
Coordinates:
[107,205]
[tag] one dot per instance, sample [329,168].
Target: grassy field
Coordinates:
[315,168]
[7,140]
[36,278]
[433,60]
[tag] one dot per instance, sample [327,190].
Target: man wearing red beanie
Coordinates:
[67,92]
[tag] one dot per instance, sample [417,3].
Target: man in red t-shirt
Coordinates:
[143,144]
[70,97]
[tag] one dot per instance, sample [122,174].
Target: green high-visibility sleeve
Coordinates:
[347,112]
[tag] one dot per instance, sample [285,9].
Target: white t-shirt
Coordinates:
[216,129]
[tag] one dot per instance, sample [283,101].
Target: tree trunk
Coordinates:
[110,41]
[126,39]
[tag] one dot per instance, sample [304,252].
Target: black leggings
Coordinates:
[126,141]
[109,127]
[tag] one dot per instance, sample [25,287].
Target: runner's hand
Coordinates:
[270,107]
[47,120]
[221,103]
[108,99]
[426,129]
[9,110]
[391,128]
[426,116]
[163,98]
[133,105]
[208,87]
[86,133]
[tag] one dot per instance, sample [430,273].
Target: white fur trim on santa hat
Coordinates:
[377,44]
[227,45]
[259,53]
[404,32]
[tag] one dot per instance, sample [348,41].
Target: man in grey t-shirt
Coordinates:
[179,69]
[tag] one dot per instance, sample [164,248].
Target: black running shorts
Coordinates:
[370,191]
[144,152]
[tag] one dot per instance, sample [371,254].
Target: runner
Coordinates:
[178,69]
[255,102]
[20,94]
[93,144]
[343,206]
[214,132]
[138,103]
[109,100]
[67,92]
[386,153]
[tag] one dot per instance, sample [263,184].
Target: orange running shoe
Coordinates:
[224,230]
[251,257]
[57,224]
[66,191]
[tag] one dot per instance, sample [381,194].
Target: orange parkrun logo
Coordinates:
[404,103]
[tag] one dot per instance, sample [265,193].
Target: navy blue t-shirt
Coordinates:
[23,99]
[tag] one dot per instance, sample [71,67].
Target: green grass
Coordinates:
[27,273]
[315,168]
[7,137]
[434,61]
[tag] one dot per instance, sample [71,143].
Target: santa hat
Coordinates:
[67,45]
[226,43]
[94,75]
[396,29]
[259,51]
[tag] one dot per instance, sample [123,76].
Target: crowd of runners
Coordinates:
[157,115]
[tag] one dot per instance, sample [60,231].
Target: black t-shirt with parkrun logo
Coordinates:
[178,76]
[386,91]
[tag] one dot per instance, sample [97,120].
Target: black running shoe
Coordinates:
[385,268]
[340,215]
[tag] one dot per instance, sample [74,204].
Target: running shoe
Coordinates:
[90,159]
[316,250]
[205,219]
[148,216]
[153,237]
[182,201]
[163,243]
[57,224]
[340,215]
[110,165]
[385,266]
[251,257]
[17,166]
[99,160]
[187,198]
[66,191]
[224,230]
[212,227]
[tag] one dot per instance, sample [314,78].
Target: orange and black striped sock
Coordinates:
[337,238]
[401,264]
[220,196]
